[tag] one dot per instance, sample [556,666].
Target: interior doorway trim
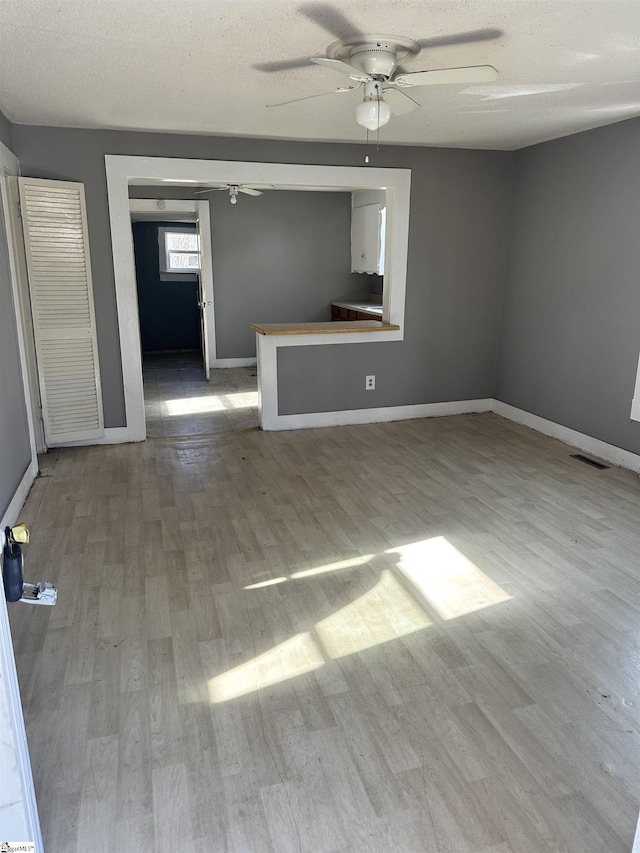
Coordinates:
[124,170]
[9,168]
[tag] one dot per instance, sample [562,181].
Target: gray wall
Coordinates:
[5,131]
[571,325]
[278,258]
[568,340]
[459,208]
[15,451]
[460,203]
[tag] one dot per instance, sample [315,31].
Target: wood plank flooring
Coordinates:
[179,401]
[415,636]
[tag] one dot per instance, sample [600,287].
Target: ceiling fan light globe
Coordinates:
[373,114]
[233,199]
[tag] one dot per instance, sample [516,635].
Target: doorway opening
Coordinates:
[126,171]
[180,402]
[182,395]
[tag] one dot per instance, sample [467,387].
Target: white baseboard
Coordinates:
[381,415]
[608,452]
[17,501]
[594,446]
[234,362]
[601,449]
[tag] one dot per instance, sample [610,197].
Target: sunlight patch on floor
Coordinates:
[210,403]
[384,613]
[333,567]
[448,581]
[261,584]
[296,656]
[439,575]
[318,570]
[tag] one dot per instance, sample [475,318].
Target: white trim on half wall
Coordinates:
[593,446]
[383,414]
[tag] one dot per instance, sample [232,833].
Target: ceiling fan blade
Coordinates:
[249,191]
[469,74]
[330,18]
[210,190]
[400,103]
[261,186]
[487,34]
[317,95]
[340,67]
[282,65]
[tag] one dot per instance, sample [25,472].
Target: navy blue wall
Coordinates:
[169,314]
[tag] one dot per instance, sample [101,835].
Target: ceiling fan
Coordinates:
[372,62]
[234,189]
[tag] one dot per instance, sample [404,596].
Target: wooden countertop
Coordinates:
[328,328]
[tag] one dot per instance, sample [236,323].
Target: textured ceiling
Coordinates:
[565,66]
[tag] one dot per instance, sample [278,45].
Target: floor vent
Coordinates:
[599,465]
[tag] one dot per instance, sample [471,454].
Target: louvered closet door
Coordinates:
[57,248]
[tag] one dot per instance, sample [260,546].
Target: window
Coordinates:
[179,251]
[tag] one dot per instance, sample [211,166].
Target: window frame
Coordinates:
[164,251]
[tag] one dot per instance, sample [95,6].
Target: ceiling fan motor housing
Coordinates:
[374,54]
[376,60]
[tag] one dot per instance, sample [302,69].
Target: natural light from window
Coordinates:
[296,656]
[179,251]
[333,567]
[262,584]
[384,613]
[210,403]
[431,581]
[447,580]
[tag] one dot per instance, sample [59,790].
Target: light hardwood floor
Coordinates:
[179,401]
[416,636]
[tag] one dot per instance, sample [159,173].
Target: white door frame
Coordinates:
[9,168]
[124,170]
[22,814]
[186,210]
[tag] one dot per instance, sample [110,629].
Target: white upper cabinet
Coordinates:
[367,239]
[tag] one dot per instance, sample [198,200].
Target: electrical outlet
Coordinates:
[370,383]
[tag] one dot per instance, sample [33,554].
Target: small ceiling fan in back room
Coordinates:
[234,189]
[372,60]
